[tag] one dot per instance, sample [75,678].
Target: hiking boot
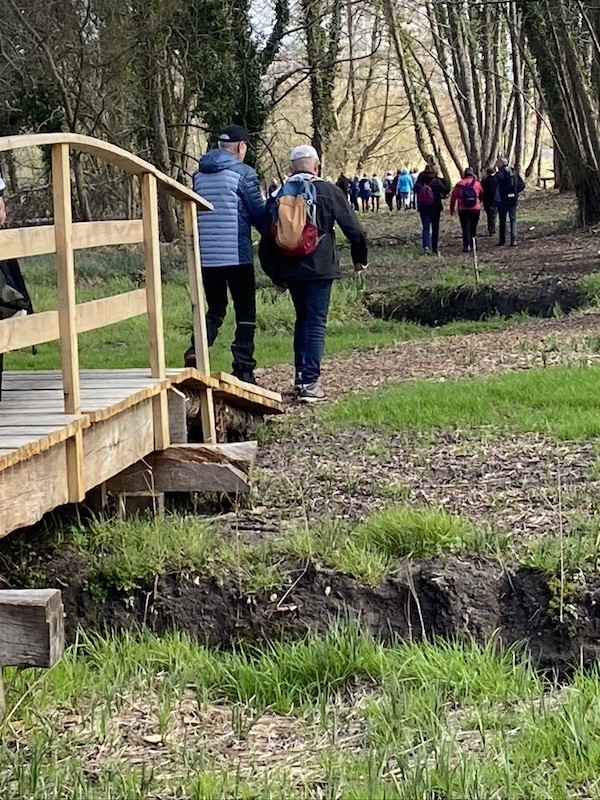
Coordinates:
[246,377]
[311,393]
[513,244]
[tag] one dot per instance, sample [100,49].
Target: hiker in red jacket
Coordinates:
[468,196]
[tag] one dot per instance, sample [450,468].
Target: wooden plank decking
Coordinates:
[117,425]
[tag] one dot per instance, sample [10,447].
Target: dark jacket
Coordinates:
[232,187]
[509,186]
[439,186]
[488,184]
[323,263]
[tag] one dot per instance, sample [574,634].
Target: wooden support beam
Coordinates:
[134,504]
[185,468]
[41,240]
[192,248]
[154,297]
[178,405]
[65,268]
[31,627]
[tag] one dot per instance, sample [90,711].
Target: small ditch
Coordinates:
[437,304]
[447,597]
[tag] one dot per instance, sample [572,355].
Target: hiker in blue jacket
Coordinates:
[405,187]
[226,246]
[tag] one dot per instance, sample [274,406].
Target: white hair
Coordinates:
[305,164]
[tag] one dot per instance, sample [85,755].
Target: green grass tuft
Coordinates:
[562,402]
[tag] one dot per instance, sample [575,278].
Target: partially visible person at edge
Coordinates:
[509,186]
[376,191]
[395,188]
[467,195]
[344,184]
[414,174]
[488,185]
[2,205]
[354,192]
[405,186]
[430,213]
[365,192]
[388,188]
[226,246]
[309,278]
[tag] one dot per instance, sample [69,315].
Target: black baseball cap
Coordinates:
[234,133]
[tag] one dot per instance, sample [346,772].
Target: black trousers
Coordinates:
[491,213]
[240,282]
[469,220]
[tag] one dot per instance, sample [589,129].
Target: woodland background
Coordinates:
[374,85]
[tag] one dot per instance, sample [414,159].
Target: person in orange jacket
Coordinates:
[467,195]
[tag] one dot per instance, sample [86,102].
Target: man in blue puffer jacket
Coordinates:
[226,245]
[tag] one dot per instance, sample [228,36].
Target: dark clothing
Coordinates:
[491,212]
[323,263]
[365,189]
[430,215]
[240,281]
[488,184]
[389,199]
[309,278]
[344,184]
[439,186]
[509,186]
[430,222]
[469,220]
[511,212]
[311,302]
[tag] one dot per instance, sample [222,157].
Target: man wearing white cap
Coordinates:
[309,269]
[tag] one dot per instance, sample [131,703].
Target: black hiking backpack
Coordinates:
[14,297]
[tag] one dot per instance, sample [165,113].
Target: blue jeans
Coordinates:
[311,301]
[511,211]
[430,220]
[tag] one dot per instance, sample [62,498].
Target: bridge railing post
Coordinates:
[149,193]
[67,302]
[192,248]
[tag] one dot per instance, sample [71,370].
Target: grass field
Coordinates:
[343,716]
[338,717]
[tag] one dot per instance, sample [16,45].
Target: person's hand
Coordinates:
[360,267]
[281,289]
[2,213]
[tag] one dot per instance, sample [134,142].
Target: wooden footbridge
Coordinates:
[65,433]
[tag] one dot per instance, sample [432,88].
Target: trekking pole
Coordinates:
[475,265]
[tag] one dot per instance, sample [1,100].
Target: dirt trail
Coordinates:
[547,342]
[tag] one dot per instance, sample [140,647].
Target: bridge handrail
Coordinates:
[108,152]
[71,318]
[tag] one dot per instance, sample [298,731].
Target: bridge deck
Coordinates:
[117,425]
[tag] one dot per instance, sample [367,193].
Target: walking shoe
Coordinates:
[513,244]
[311,393]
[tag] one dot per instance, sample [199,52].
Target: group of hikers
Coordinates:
[497,194]
[397,190]
[297,248]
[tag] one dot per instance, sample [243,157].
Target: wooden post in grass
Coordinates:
[32,630]
[475,264]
